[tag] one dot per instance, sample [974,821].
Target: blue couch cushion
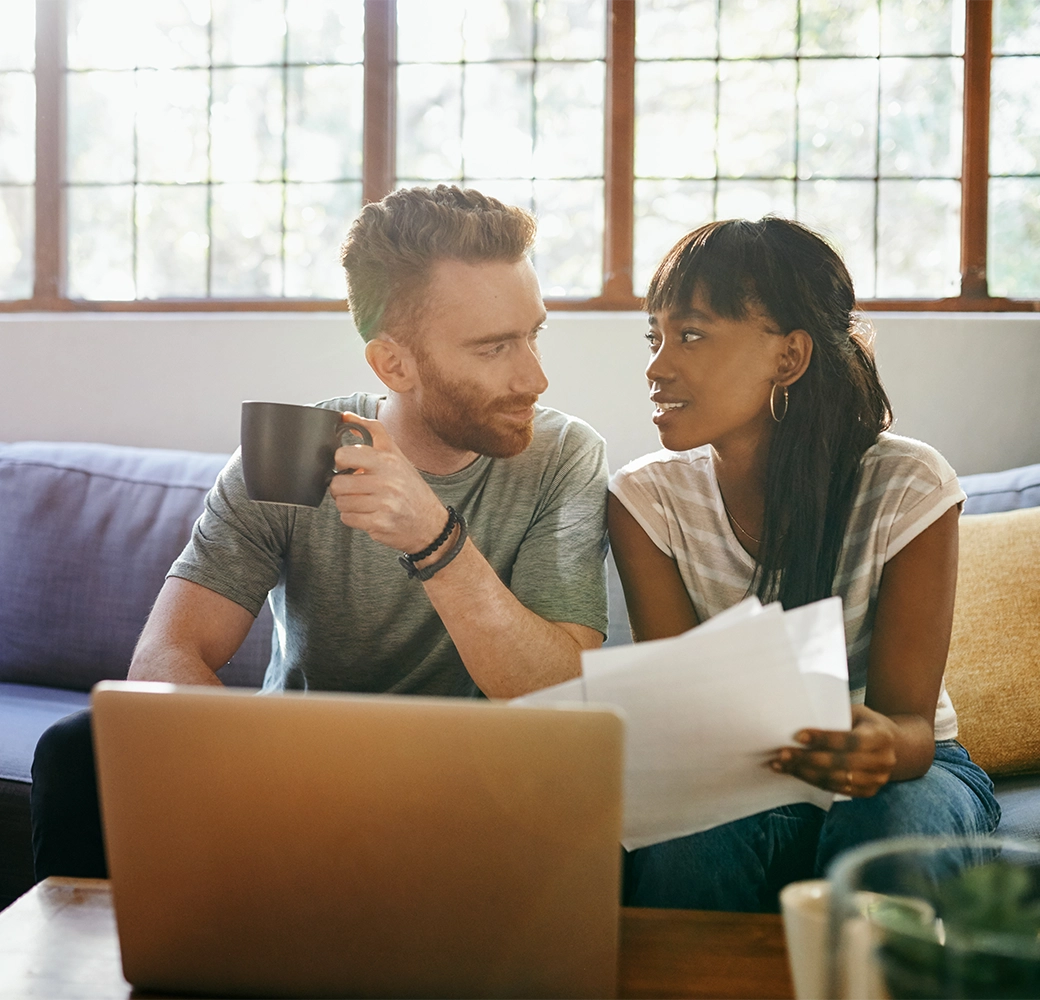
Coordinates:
[992,492]
[25,712]
[87,534]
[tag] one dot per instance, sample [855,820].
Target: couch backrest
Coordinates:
[87,534]
[992,669]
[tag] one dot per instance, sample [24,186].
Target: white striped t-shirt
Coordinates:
[905,486]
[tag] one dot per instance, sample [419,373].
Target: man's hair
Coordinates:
[393,244]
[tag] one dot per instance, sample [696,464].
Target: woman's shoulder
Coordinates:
[664,466]
[895,456]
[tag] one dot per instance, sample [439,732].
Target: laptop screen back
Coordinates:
[329,844]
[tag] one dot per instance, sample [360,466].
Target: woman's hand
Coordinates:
[856,763]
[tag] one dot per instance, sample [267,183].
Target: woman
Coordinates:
[781,479]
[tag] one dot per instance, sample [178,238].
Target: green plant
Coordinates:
[983,939]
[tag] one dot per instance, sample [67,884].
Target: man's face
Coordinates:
[476,350]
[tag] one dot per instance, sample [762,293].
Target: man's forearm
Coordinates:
[507,648]
[172,665]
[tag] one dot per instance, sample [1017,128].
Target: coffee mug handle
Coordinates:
[356,431]
[352,435]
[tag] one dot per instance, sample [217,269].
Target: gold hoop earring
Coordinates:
[772,402]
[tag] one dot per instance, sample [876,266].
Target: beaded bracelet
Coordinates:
[422,554]
[408,561]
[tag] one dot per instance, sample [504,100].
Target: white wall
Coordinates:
[967,383]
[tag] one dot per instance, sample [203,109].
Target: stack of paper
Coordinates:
[705,711]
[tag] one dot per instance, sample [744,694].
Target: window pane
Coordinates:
[569,119]
[247,240]
[757,28]
[1016,26]
[496,127]
[171,125]
[921,117]
[918,238]
[17,128]
[429,121]
[571,29]
[1015,116]
[837,118]
[753,199]
[675,119]
[498,29]
[922,27]
[246,124]
[18,39]
[171,241]
[100,143]
[665,210]
[520,193]
[101,243]
[1014,235]
[756,119]
[676,29]
[248,32]
[569,253]
[326,32]
[428,32]
[325,122]
[122,34]
[843,211]
[853,32]
[17,239]
[317,217]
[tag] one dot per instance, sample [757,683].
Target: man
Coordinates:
[496,504]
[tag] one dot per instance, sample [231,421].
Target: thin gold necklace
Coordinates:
[736,523]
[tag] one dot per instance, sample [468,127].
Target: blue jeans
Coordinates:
[743,865]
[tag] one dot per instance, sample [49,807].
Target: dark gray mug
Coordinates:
[288,451]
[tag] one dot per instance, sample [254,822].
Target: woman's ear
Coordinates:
[794,357]
[392,362]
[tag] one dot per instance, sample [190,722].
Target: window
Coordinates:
[214,151]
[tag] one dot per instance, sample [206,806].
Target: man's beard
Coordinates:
[459,415]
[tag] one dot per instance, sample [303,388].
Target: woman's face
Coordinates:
[710,377]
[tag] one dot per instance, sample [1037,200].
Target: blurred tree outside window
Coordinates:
[215,150]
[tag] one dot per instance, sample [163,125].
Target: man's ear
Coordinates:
[794,357]
[393,362]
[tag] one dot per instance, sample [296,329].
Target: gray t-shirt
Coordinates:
[347,617]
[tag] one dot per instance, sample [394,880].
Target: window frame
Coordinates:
[378,173]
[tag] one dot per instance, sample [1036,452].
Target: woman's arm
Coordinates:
[658,605]
[892,737]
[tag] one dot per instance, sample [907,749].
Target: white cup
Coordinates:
[806,909]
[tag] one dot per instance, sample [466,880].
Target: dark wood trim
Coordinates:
[50,235]
[978,41]
[380,122]
[619,152]
[598,304]
[959,303]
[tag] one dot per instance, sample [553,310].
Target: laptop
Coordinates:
[360,845]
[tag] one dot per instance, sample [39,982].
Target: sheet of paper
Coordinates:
[706,709]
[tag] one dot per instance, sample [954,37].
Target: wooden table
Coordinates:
[59,941]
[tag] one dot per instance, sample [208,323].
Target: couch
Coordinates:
[88,531]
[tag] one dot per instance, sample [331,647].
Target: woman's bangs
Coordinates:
[711,261]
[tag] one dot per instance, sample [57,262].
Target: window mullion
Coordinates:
[50,255]
[978,39]
[619,152]
[380,113]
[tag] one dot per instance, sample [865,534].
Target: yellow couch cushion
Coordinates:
[993,670]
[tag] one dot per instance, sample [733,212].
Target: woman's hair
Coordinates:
[835,410]
[392,245]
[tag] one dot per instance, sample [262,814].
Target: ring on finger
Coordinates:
[847,789]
